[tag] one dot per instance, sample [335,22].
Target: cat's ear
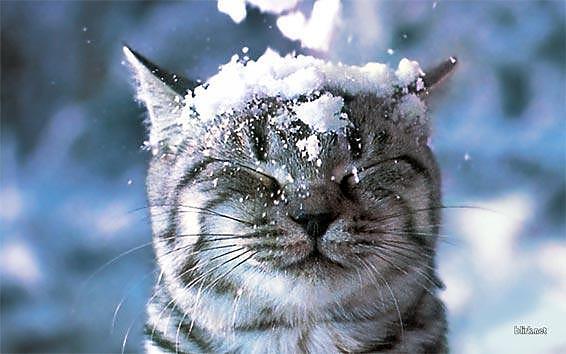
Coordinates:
[432,77]
[163,95]
[412,103]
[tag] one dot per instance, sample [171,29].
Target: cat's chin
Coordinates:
[314,264]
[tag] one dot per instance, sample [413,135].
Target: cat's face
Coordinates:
[248,197]
[311,215]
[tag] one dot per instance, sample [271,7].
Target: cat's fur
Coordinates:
[251,263]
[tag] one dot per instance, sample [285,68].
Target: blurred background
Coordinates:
[72,190]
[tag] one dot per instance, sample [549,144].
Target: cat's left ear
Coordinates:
[163,95]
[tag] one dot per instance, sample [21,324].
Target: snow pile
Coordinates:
[290,77]
[314,32]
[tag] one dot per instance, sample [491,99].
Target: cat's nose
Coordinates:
[315,225]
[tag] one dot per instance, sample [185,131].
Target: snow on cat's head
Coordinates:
[291,77]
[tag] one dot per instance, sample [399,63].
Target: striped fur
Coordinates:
[238,273]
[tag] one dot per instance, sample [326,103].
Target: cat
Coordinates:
[297,213]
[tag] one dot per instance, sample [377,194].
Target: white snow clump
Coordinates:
[322,114]
[289,77]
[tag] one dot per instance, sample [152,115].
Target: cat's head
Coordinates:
[292,170]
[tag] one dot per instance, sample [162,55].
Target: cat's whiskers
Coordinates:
[442,238]
[382,254]
[375,271]
[410,253]
[198,251]
[115,259]
[243,236]
[209,286]
[403,232]
[201,290]
[396,253]
[150,243]
[193,209]
[234,308]
[438,207]
[194,281]
[178,276]
[129,287]
[213,213]
[158,281]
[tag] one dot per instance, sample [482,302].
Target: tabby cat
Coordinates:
[274,235]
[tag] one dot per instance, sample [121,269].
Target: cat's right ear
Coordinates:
[163,95]
[434,76]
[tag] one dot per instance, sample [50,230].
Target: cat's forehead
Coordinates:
[325,114]
[274,126]
[321,112]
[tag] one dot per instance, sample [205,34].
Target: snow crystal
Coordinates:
[310,147]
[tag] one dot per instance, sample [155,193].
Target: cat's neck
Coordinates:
[225,322]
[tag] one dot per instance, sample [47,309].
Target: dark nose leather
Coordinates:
[315,225]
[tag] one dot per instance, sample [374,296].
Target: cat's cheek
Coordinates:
[335,244]
[159,219]
[188,216]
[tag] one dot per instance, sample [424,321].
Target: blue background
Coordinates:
[72,172]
